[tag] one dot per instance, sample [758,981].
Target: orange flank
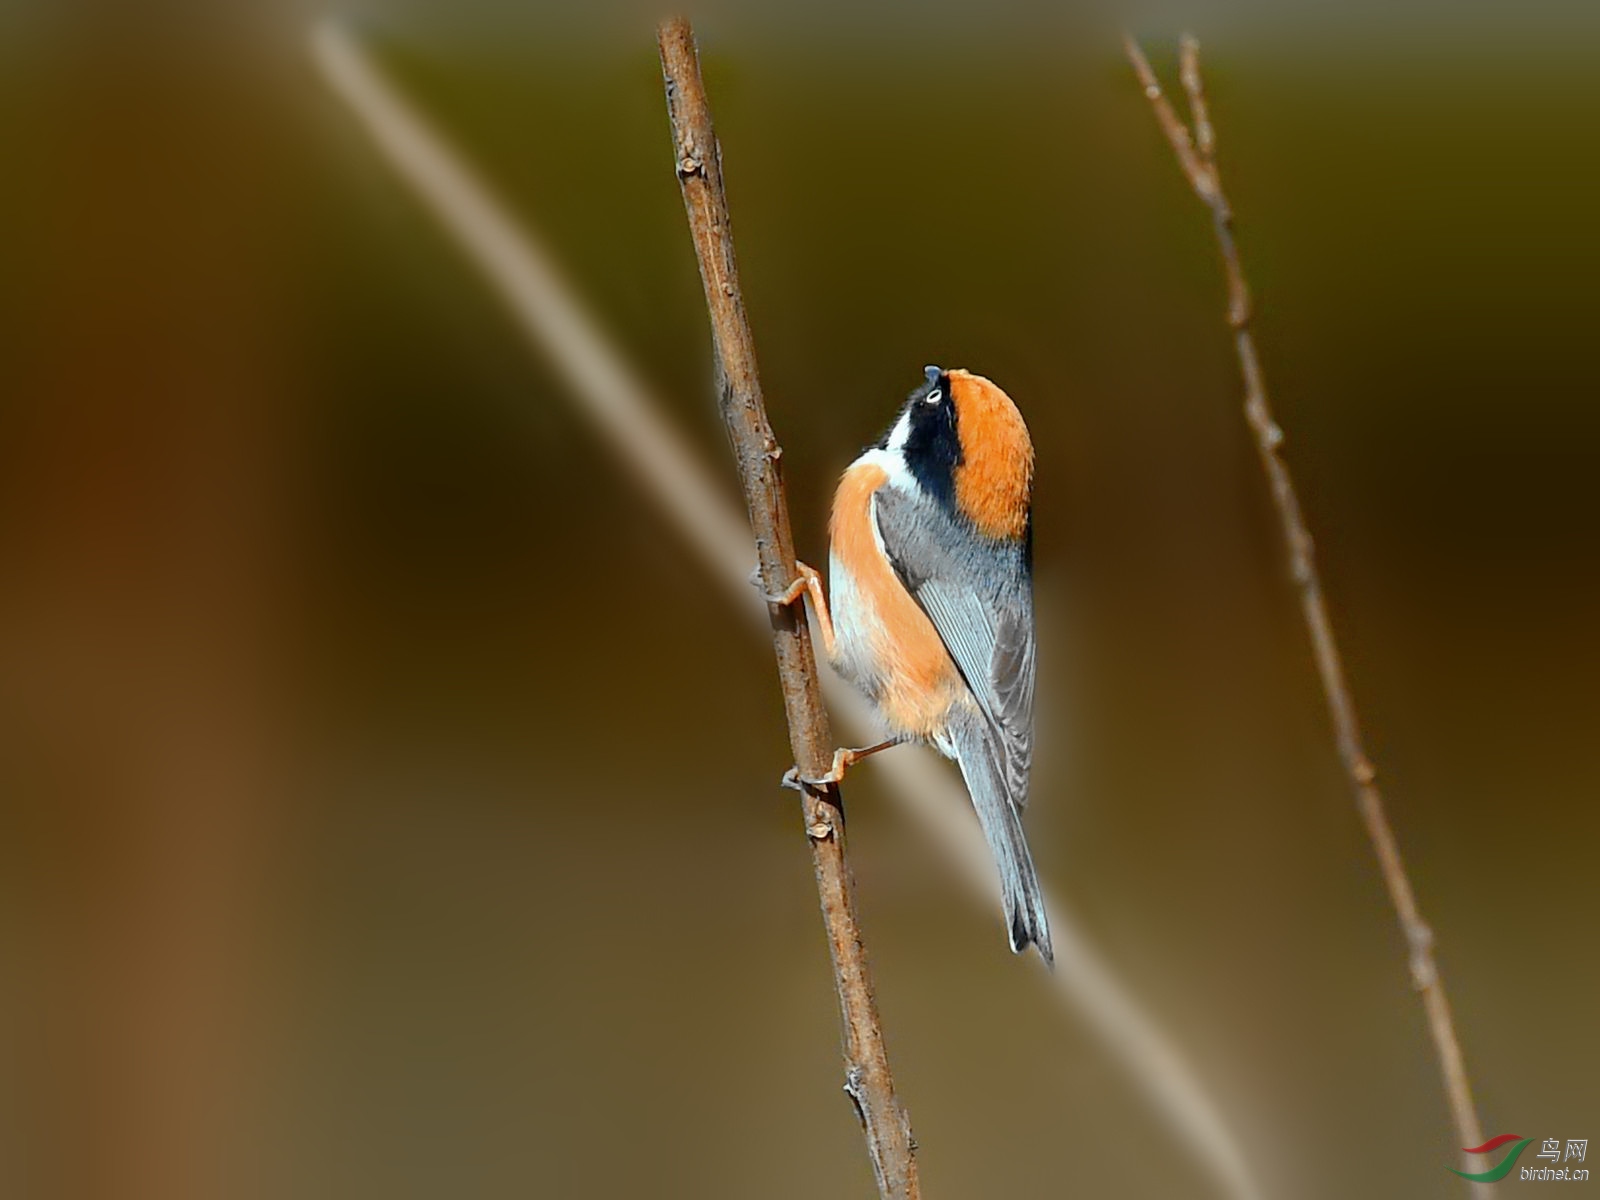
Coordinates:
[995,478]
[917,681]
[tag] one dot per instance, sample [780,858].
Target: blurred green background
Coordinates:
[389,800]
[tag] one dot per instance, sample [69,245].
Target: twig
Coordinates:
[1196,154]
[604,388]
[698,159]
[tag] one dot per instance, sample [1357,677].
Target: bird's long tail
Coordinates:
[1001,818]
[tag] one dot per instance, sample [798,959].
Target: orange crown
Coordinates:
[994,481]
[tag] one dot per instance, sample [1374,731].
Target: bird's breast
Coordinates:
[884,642]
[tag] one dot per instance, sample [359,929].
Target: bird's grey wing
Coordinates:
[978,596]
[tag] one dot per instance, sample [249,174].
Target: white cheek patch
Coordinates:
[894,465]
[901,433]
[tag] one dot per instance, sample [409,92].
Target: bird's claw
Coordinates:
[795,781]
[790,594]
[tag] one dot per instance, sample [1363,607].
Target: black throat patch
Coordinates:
[933,445]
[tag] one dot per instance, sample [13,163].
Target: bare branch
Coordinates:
[1172,125]
[1196,156]
[1205,137]
[698,160]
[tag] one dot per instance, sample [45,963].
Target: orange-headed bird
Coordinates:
[931,567]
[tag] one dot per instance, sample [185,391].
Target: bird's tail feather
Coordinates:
[1002,826]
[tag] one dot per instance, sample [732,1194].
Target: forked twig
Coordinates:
[698,160]
[1196,154]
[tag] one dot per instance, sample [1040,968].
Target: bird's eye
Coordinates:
[934,396]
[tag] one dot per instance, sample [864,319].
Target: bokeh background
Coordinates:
[388,801]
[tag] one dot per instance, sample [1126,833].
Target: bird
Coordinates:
[931,569]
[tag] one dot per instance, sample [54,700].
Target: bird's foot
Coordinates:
[843,760]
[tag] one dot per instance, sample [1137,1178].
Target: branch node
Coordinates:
[1424,971]
[852,1083]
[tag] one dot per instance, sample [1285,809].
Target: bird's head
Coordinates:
[965,442]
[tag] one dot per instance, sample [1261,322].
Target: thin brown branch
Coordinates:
[698,160]
[1205,137]
[1195,153]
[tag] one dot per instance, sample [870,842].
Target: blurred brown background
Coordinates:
[387,802]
